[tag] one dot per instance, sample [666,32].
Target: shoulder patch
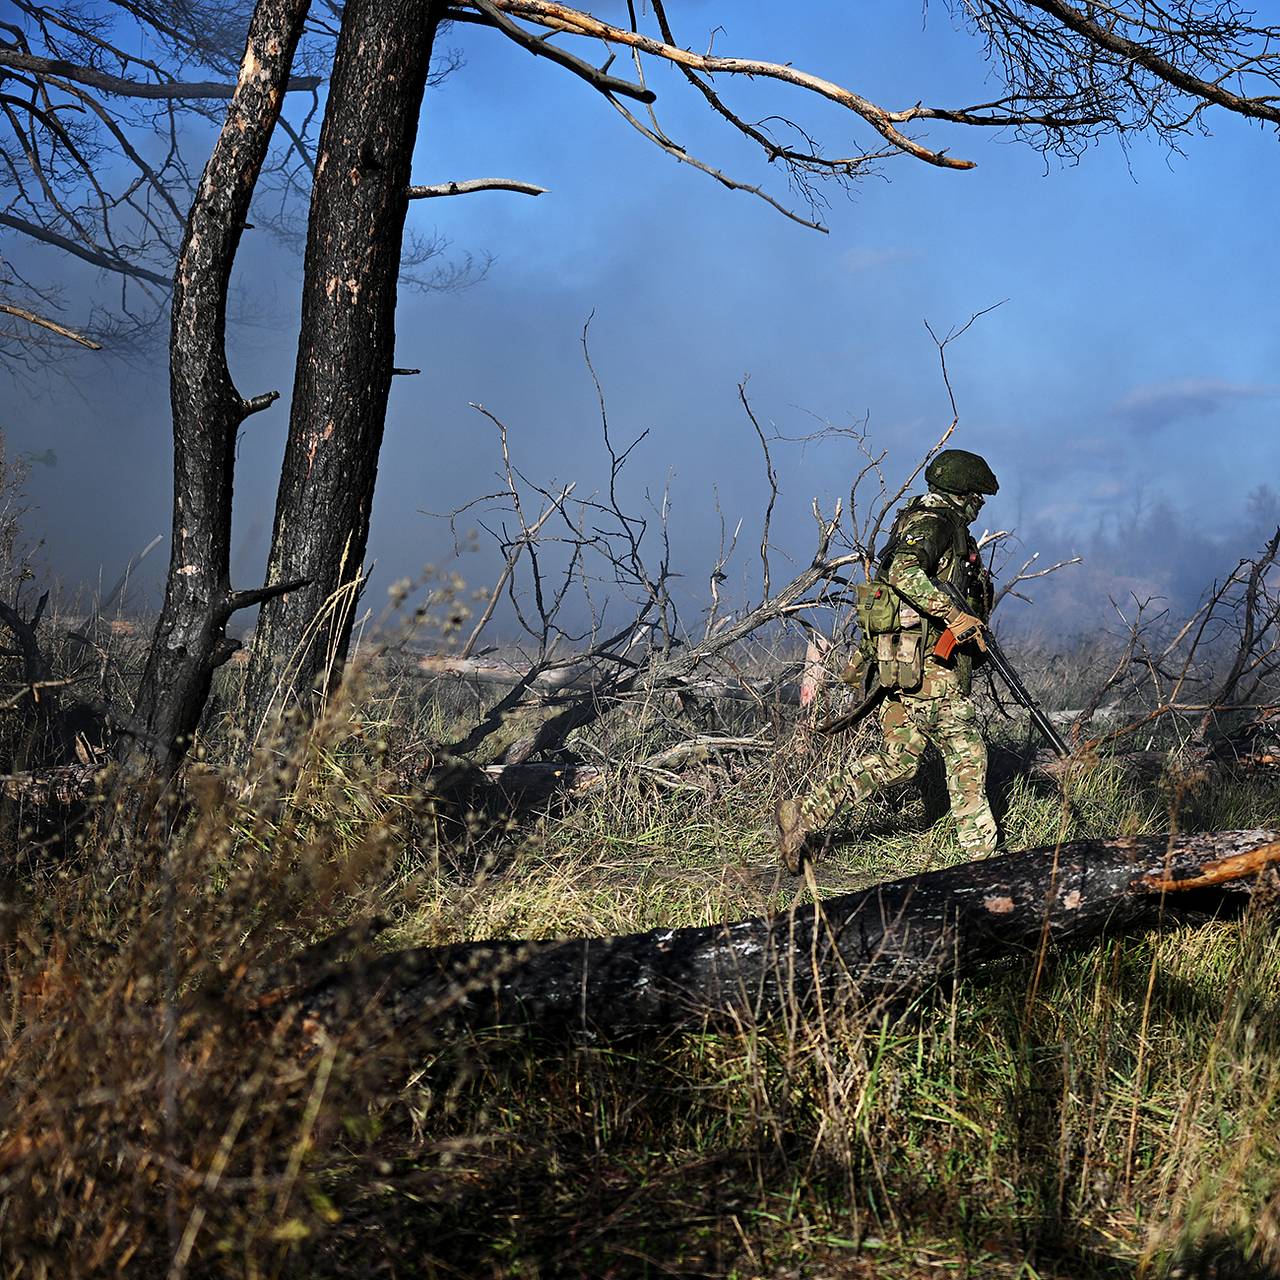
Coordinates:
[922,537]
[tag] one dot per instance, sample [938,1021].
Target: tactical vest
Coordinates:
[896,636]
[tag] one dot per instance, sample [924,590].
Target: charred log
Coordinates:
[68,784]
[856,950]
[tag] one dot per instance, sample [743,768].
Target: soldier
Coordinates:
[926,699]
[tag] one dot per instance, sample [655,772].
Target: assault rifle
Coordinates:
[1013,682]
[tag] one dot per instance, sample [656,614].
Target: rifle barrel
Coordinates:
[1005,670]
[1024,696]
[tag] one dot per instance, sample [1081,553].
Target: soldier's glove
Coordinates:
[854,671]
[966,626]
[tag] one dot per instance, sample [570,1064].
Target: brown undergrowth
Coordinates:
[163,1111]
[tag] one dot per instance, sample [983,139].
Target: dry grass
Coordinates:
[1120,1116]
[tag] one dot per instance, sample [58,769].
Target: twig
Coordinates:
[53,326]
[773,484]
[474,184]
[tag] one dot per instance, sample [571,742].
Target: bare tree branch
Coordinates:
[773,485]
[85,253]
[238,600]
[1108,37]
[594,76]
[120,86]
[53,326]
[686,157]
[475,184]
[559,17]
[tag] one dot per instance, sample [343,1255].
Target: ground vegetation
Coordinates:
[179,1101]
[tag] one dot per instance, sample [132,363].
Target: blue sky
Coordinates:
[1135,358]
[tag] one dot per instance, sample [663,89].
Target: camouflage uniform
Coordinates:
[930,539]
[938,712]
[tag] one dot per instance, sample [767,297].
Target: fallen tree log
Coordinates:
[860,949]
[59,785]
[591,676]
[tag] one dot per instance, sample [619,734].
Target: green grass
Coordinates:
[1112,1115]
[1114,1111]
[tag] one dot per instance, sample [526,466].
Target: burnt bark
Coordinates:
[858,950]
[190,639]
[67,784]
[345,352]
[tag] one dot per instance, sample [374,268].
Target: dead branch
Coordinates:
[596,77]
[123,87]
[472,185]
[772,477]
[717,574]
[523,544]
[43,322]
[95,139]
[586,674]
[46,788]
[1229,646]
[557,17]
[1259,644]
[1026,573]
[659,138]
[87,253]
[1110,38]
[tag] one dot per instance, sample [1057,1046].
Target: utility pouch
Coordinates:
[877,608]
[900,659]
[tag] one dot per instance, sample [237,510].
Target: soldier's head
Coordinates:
[963,476]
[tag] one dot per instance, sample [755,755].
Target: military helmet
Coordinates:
[959,471]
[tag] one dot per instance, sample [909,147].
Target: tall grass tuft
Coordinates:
[161,1104]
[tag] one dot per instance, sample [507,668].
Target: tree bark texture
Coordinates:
[64,785]
[857,950]
[345,352]
[190,638]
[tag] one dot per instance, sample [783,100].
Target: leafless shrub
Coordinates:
[568,556]
[1204,679]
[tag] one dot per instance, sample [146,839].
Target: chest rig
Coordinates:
[896,636]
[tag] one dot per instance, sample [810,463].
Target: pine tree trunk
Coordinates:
[345,351]
[190,640]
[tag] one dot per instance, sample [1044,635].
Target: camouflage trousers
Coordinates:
[938,712]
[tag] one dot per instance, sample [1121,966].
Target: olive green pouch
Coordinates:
[877,608]
[900,659]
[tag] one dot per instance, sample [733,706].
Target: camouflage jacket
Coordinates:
[930,539]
